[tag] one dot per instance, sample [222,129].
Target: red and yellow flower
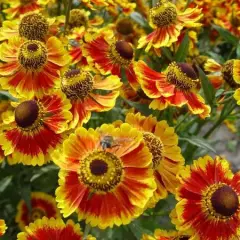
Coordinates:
[176,86]
[168,22]
[80,88]
[18,7]
[54,229]
[209,200]
[3,227]
[229,72]
[35,129]
[42,205]
[31,67]
[160,234]
[109,56]
[106,175]
[167,160]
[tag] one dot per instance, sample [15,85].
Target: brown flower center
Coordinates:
[98,167]
[163,14]
[155,146]
[77,84]
[183,238]
[101,171]
[36,213]
[225,201]
[32,55]
[124,49]
[227,73]
[121,53]
[26,113]
[182,75]
[125,26]
[34,26]
[77,18]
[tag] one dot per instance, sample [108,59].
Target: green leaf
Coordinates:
[167,53]
[5,182]
[137,230]
[208,89]
[226,35]
[143,108]
[183,49]
[43,171]
[199,142]
[5,95]
[137,17]
[238,50]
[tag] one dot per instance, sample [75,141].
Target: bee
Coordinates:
[108,142]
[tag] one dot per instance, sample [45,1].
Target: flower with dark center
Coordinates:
[177,85]
[213,192]
[33,67]
[110,56]
[36,129]
[182,75]
[163,14]
[54,229]
[125,26]
[167,22]
[33,26]
[80,88]
[42,205]
[167,160]
[104,183]
[121,53]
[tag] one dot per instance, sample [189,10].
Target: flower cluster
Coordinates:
[103,105]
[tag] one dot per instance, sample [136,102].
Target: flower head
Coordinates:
[36,128]
[167,22]
[42,204]
[54,229]
[212,192]
[166,155]
[109,56]
[79,87]
[176,86]
[31,67]
[106,175]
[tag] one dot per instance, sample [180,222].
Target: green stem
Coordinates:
[179,124]
[86,231]
[69,5]
[219,121]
